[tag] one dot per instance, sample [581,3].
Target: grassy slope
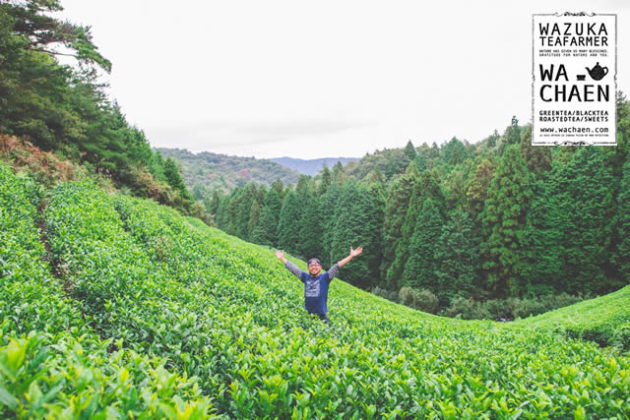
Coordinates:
[228,313]
[605,319]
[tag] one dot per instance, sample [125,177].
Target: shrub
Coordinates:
[522,308]
[507,309]
[422,299]
[466,308]
[385,293]
[621,337]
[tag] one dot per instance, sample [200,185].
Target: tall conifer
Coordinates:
[266,233]
[288,224]
[395,210]
[421,265]
[584,190]
[503,223]
[456,257]
[358,222]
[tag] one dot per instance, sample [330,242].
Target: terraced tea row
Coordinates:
[51,363]
[229,314]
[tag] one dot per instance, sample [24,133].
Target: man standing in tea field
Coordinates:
[315,282]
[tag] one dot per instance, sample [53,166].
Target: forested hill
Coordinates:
[206,172]
[498,229]
[53,112]
[311,166]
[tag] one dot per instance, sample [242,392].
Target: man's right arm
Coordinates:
[294,269]
[289,265]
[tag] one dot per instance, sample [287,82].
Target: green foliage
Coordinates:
[217,172]
[66,377]
[266,232]
[28,294]
[623,219]
[426,188]
[454,152]
[390,162]
[455,255]
[410,151]
[421,265]
[385,293]
[584,192]
[394,216]
[503,218]
[154,283]
[604,320]
[328,205]
[310,226]
[507,309]
[422,299]
[234,212]
[358,220]
[288,224]
[62,109]
[52,364]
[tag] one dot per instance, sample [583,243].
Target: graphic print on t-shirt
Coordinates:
[312,288]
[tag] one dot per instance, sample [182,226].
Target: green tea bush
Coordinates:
[621,336]
[64,377]
[228,313]
[28,293]
[525,307]
[51,363]
[602,320]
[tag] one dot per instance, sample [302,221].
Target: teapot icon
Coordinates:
[597,72]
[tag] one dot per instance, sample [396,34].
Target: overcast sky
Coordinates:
[323,78]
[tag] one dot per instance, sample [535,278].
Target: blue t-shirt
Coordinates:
[315,288]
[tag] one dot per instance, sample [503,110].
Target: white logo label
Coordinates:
[574,79]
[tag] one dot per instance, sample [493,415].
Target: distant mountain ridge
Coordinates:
[204,172]
[311,166]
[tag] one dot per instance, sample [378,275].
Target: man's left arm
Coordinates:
[335,268]
[353,253]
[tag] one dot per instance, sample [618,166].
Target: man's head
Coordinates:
[314,267]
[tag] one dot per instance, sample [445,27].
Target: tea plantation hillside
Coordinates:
[118,307]
[605,319]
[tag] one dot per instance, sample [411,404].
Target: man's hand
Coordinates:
[355,252]
[280,256]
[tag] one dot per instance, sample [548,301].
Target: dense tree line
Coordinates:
[497,220]
[62,108]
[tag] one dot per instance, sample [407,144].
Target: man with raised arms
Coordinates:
[315,282]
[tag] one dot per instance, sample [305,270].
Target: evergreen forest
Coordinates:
[498,229]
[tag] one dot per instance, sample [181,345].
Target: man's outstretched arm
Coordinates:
[334,270]
[353,253]
[288,264]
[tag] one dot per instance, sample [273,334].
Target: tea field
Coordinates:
[115,307]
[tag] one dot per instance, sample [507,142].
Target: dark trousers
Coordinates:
[323,318]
